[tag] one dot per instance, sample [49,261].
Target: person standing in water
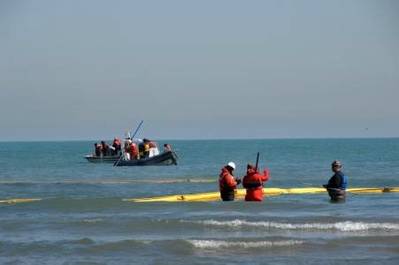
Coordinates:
[227,182]
[337,184]
[253,183]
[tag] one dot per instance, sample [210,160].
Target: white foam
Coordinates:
[346,226]
[94,220]
[205,244]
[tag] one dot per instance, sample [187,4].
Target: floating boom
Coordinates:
[240,194]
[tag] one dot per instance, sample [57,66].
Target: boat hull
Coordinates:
[102,159]
[163,159]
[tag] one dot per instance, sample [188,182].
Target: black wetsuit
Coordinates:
[336,187]
[337,181]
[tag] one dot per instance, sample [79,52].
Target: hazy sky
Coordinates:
[198,69]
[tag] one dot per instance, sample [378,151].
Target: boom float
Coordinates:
[215,196]
[18,200]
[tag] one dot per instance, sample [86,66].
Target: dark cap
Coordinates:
[336,163]
[250,166]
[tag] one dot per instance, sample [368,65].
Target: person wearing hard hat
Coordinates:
[337,184]
[227,182]
[253,183]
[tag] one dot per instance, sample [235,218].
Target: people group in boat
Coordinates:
[254,181]
[104,149]
[140,149]
[132,148]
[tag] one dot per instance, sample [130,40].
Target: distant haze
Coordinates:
[199,69]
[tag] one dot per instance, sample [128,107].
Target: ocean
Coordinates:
[82,218]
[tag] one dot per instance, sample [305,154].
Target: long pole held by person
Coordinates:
[257,162]
[134,134]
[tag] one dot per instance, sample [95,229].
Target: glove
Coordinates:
[238,181]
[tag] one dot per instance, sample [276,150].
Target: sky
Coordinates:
[93,69]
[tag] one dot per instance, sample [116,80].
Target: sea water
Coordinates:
[82,218]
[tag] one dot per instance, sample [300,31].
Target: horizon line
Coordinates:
[215,139]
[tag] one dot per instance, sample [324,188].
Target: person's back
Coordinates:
[105,148]
[227,182]
[141,150]
[117,146]
[253,183]
[133,151]
[97,149]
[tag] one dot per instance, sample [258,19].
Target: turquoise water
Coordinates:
[82,219]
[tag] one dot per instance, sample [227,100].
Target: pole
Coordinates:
[257,162]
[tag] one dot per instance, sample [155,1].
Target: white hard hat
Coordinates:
[232,165]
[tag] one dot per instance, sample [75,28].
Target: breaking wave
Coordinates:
[212,244]
[347,226]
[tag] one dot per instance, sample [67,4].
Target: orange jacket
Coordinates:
[227,183]
[253,182]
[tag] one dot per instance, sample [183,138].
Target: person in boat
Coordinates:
[146,146]
[253,183]
[104,148]
[133,151]
[141,150]
[227,182]
[167,148]
[149,148]
[153,151]
[337,184]
[126,149]
[97,149]
[117,146]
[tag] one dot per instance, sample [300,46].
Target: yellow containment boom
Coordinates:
[18,200]
[215,196]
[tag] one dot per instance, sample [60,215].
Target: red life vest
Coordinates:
[227,185]
[133,151]
[253,182]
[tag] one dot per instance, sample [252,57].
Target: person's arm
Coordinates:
[231,182]
[266,175]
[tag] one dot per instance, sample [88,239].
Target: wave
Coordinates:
[65,246]
[180,246]
[93,221]
[347,226]
[212,244]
